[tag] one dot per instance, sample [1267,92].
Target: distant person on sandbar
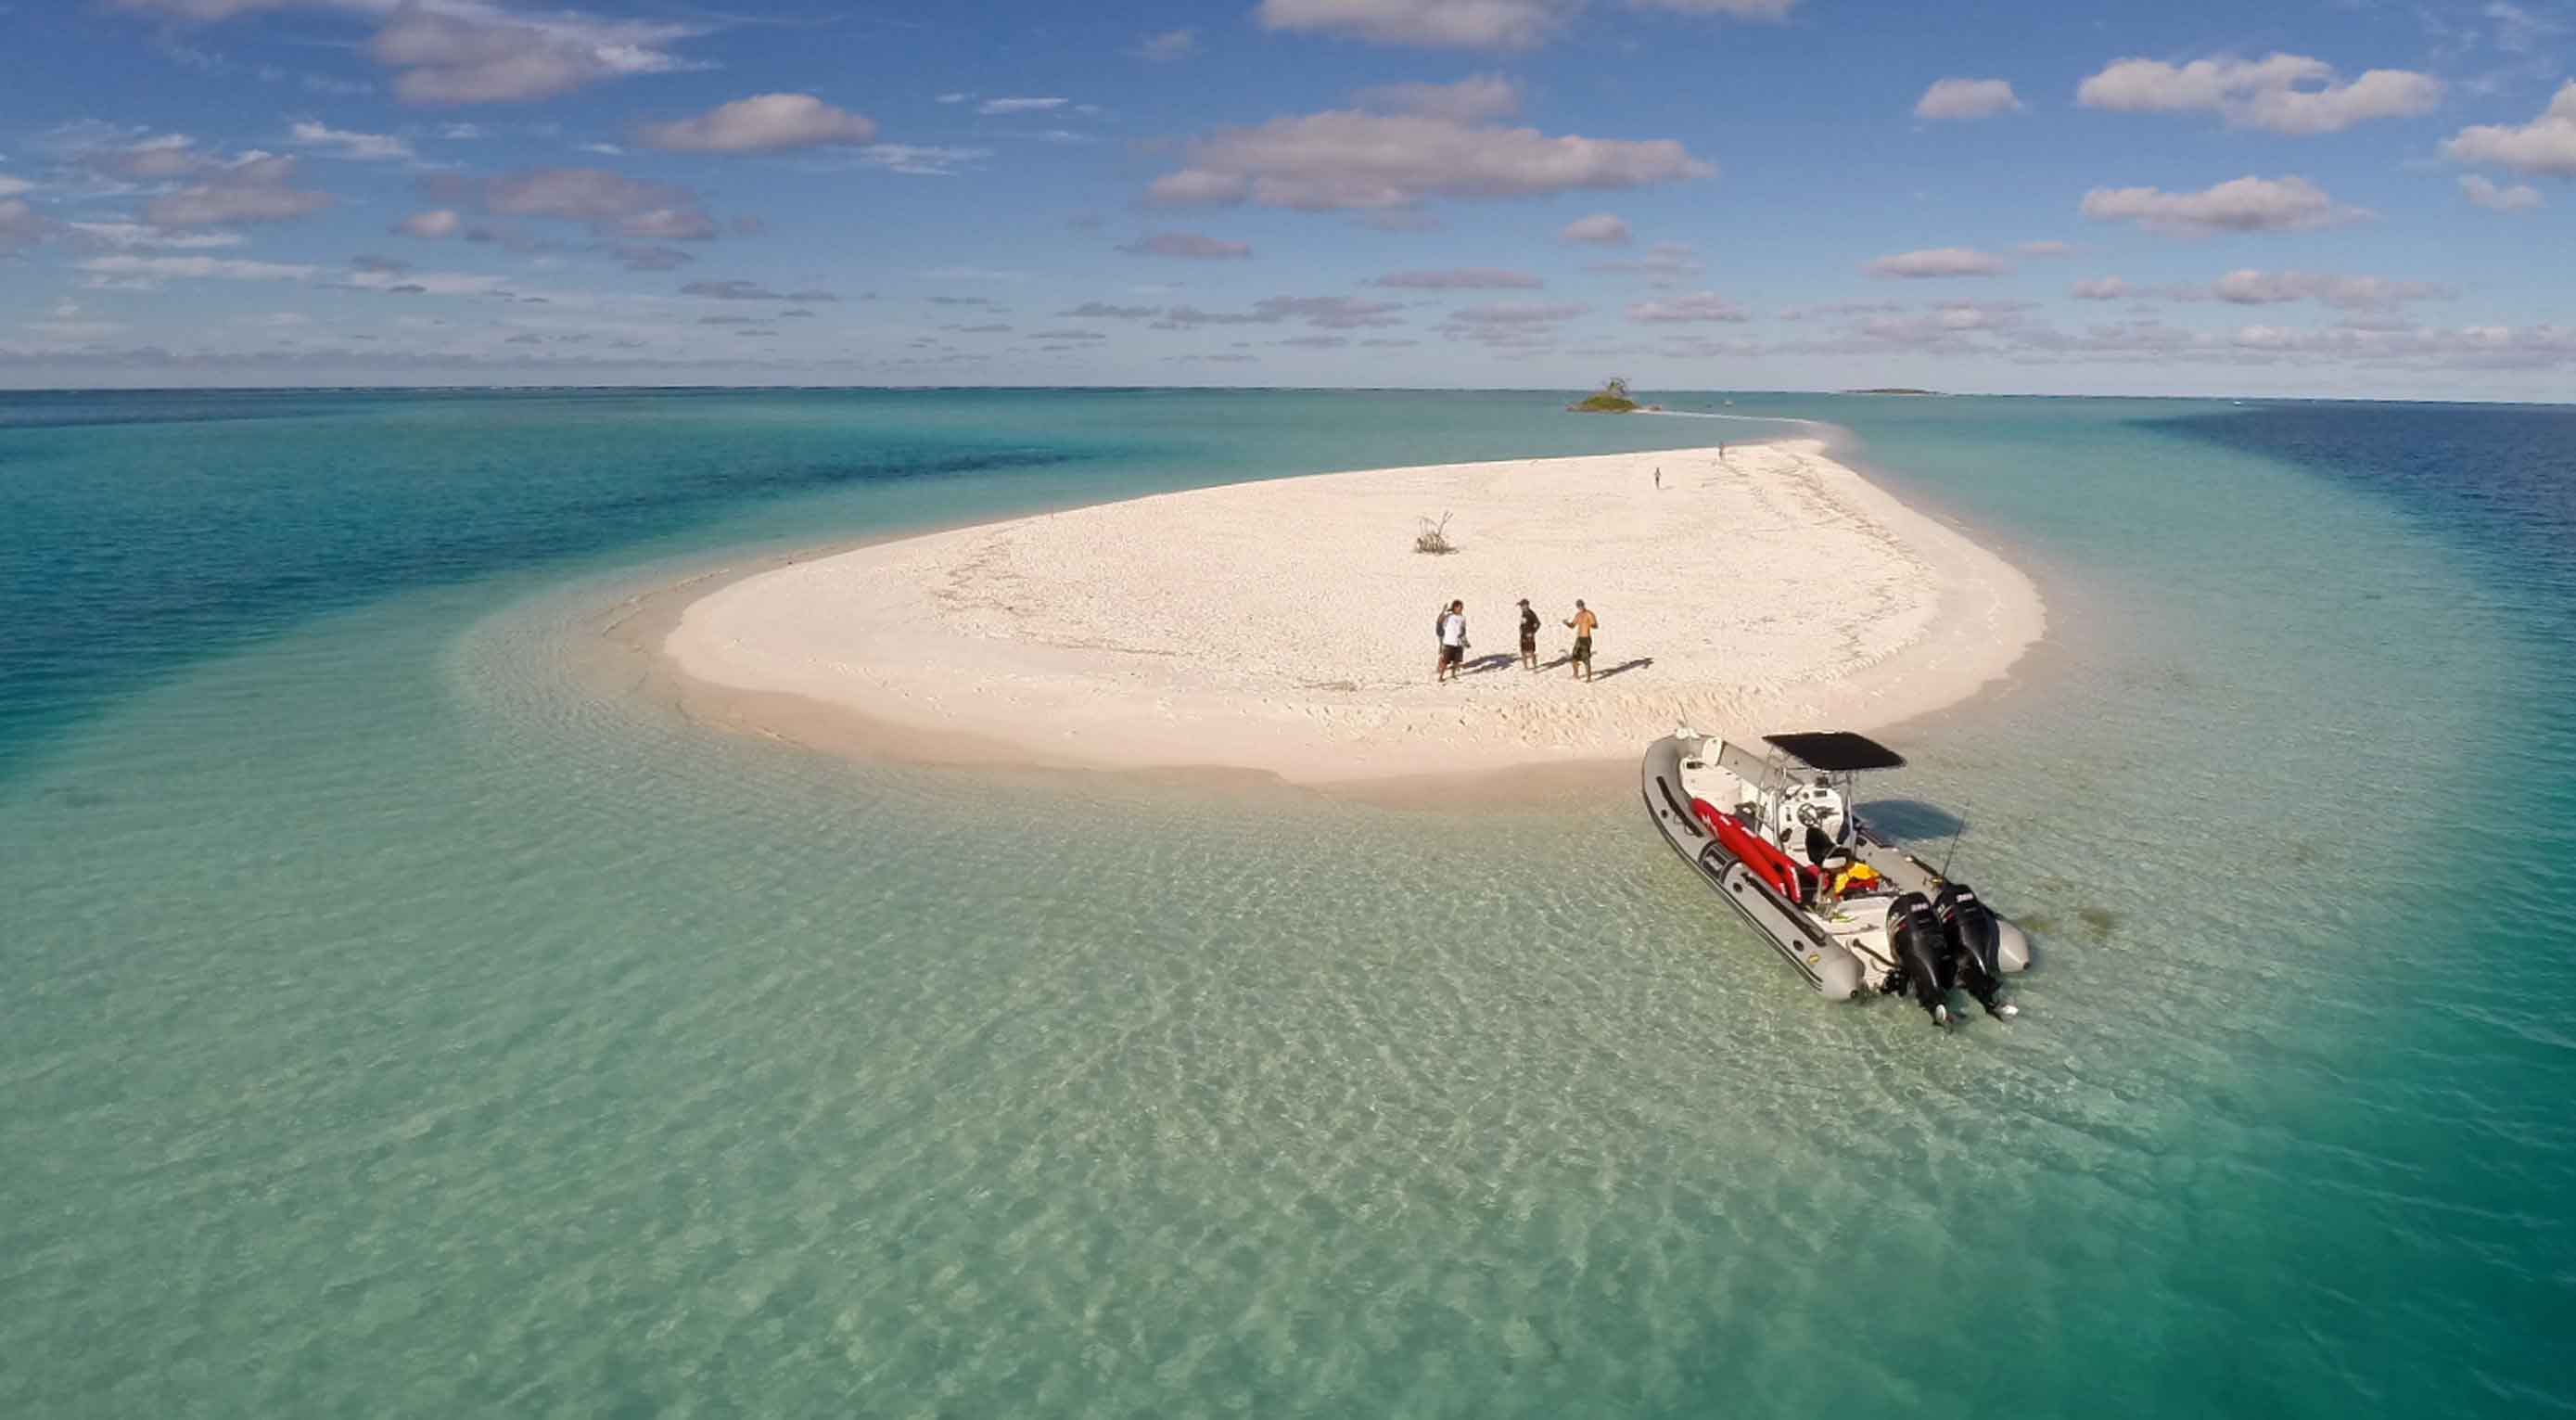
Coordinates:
[1584,624]
[1659,478]
[1453,642]
[1529,636]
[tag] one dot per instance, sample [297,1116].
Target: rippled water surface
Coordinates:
[399,1017]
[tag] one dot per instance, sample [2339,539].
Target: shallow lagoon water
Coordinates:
[398,1017]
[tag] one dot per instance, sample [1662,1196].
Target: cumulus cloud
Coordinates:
[1470,100]
[1190,245]
[2486,194]
[11,187]
[1168,46]
[1007,106]
[612,205]
[165,155]
[1098,310]
[763,123]
[2282,93]
[435,223]
[1966,98]
[1330,312]
[1664,261]
[1472,24]
[254,188]
[1599,229]
[635,256]
[1697,307]
[2263,288]
[1938,262]
[342,143]
[21,226]
[1347,159]
[2546,145]
[461,54]
[1460,279]
[2045,249]
[2100,288]
[2246,204]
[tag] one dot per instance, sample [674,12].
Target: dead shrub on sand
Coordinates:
[1434,537]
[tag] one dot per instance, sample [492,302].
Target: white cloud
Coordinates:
[253,188]
[341,143]
[1966,98]
[431,283]
[2101,288]
[763,123]
[2282,93]
[1448,24]
[2246,204]
[462,52]
[612,204]
[131,236]
[434,223]
[1938,262]
[2486,194]
[1187,244]
[1460,279]
[1020,105]
[952,98]
[1169,45]
[1345,159]
[1663,260]
[197,268]
[1548,314]
[920,161]
[21,225]
[1698,307]
[1599,229]
[11,187]
[1470,100]
[2263,288]
[1473,24]
[2546,145]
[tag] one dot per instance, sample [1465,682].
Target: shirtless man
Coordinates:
[1583,623]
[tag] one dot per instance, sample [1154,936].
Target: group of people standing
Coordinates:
[1452,631]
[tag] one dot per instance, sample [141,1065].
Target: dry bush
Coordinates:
[1434,537]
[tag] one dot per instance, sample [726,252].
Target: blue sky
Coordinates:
[2345,198]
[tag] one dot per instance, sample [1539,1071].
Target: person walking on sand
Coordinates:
[1453,642]
[1529,636]
[1584,624]
[1659,478]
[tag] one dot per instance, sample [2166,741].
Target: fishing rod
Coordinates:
[1947,853]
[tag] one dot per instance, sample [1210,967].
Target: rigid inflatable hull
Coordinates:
[1822,962]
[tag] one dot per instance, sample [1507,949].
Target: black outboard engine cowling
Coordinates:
[1969,930]
[1922,953]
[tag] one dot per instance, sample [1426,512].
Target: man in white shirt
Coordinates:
[1453,642]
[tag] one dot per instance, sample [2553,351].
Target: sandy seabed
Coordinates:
[1287,627]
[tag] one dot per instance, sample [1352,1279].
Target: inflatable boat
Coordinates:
[1775,833]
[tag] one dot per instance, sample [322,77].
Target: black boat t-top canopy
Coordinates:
[1836,751]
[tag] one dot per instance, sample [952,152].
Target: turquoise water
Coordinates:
[399,1016]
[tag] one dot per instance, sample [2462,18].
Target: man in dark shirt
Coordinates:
[1529,636]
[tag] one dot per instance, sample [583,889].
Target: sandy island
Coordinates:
[1286,627]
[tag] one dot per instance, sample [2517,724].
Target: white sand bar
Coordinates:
[1287,626]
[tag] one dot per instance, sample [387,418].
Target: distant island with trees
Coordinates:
[1613,399]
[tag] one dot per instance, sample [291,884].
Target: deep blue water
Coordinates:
[395,1020]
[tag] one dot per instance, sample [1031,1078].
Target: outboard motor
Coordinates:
[1968,929]
[1922,955]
